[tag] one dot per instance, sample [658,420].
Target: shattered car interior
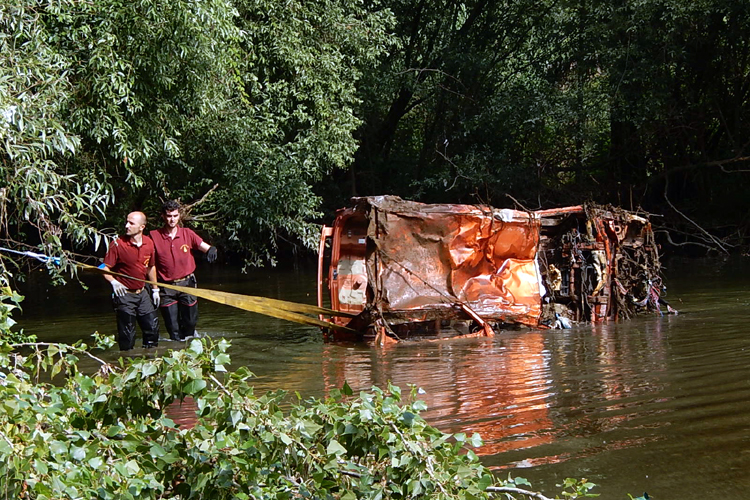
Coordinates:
[408,269]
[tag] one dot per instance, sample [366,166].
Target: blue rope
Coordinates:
[38,256]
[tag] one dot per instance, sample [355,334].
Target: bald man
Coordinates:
[132,255]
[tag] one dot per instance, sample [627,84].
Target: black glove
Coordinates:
[211,254]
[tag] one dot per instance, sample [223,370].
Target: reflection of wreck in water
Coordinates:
[404,267]
[502,393]
[536,397]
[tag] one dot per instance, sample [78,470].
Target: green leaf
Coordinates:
[132,467]
[77,453]
[310,427]
[148,369]
[114,430]
[40,466]
[346,390]
[196,346]
[476,440]
[157,451]
[485,482]
[408,418]
[520,481]
[171,457]
[194,386]
[58,447]
[335,448]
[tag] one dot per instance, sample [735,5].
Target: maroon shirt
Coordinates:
[125,258]
[173,257]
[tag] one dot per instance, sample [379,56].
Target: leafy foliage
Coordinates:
[288,124]
[10,300]
[110,106]
[37,191]
[91,92]
[109,435]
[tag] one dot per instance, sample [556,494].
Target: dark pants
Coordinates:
[179,310]
[132,308]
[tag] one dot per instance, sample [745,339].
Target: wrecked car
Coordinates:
[407,269]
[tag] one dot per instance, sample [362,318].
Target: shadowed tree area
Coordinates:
[640,104]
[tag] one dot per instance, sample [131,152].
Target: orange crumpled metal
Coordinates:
[433,256]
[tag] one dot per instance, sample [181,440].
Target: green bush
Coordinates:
[108,435]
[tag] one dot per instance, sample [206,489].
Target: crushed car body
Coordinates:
[410,269]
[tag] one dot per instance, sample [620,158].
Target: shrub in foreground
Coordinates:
[108,435]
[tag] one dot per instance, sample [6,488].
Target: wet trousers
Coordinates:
[136,307]
[179,309]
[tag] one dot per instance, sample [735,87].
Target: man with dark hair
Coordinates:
[132,255]
[175,265]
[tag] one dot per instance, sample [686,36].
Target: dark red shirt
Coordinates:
[125,258]
[174,259]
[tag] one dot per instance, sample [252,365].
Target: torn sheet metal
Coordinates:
[401,264]
[426,258]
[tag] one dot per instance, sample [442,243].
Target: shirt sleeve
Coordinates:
[111,258]
[152,256]
[195,240]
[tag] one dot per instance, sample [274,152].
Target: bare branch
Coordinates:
[684,243]
[518,203]
[204,217]
[518,491]
[188,207]
[708,235]
[716,163]
[76,349]
[453,165]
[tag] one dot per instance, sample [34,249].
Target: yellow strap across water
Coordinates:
[281,309]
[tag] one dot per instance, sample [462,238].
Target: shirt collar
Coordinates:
[164,232]
[128,240]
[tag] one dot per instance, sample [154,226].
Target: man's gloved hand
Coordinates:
[211,254]
[155,297]
[118,288]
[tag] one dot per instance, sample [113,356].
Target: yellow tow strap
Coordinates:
[281,309]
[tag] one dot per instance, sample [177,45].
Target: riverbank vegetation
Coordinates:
[108,434]
[265,117]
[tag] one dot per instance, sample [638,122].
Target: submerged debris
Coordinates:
[406,268]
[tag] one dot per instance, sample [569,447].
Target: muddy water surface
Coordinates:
[656,404]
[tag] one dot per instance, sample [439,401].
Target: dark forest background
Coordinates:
[265,117]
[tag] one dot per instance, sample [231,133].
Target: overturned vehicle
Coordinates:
[405,269]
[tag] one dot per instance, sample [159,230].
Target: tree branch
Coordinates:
[518,491]
[708,235]
[188,207]
[76,349]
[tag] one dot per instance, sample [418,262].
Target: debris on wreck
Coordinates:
[408,269]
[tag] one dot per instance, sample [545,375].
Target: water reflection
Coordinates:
[500,384]
[519,390]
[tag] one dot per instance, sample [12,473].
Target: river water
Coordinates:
[655,404]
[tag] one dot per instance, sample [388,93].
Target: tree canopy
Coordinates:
[110,106]
[266,116]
